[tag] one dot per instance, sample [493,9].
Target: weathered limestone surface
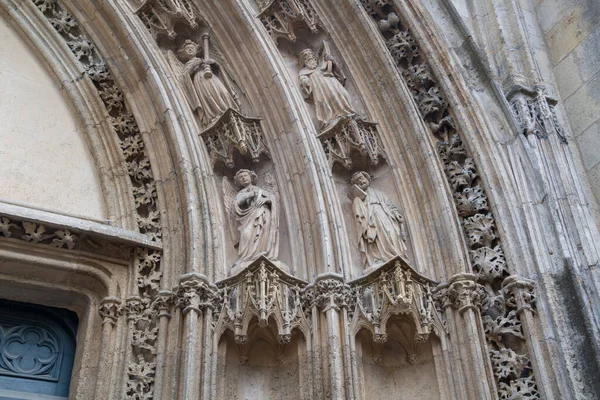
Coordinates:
[572,33]
[46,162]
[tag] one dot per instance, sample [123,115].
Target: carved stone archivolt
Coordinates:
[479,226]
[118,113]
[281,16]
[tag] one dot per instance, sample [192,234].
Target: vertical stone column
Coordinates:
[110,310]
[329,294]
[519,294]
[162,305]
[464,296]
[193,295]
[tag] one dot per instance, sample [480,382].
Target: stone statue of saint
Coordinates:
[205,91]
[322,83]
[381,232]
[253,215]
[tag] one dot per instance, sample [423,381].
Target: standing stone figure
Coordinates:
[253,215]
[381,233]
[322,83]
[205,92]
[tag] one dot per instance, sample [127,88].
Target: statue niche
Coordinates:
[209,90]
[253,214]
[322,83]
[342,129]
[204,90]
[381,230]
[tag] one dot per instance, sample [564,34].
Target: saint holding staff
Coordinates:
[205,91]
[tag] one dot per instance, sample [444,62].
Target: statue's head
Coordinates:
[361,179]
[245,177]
[188,50]
[308,58]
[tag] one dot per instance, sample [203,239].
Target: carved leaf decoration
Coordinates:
[125,124]
[480,229]
[81,47]
[470,201]
[402,46]
[132,146]
[5,226]
[98,71]
[451,147]
[150,282]
[65,239]
[151,222]
[34,233]
[44,5]
[430,101]
[489,263]
[460,174]
[374,6]
[507,364]
[63,22]
[140,170]
[145,194]
[111,96]
[519,389]
[418,77]
[495,329]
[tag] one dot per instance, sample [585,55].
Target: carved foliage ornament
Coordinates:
[118,114]
[472,205]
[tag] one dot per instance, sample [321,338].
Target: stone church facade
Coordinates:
[299,199]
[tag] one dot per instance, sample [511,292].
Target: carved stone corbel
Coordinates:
[395,290]
[234,131]
[329,293]
[260,292]
[534,112]
[352,134]
[280,16]
[163,303]
[160,16]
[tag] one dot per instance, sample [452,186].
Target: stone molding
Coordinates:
[119,114]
